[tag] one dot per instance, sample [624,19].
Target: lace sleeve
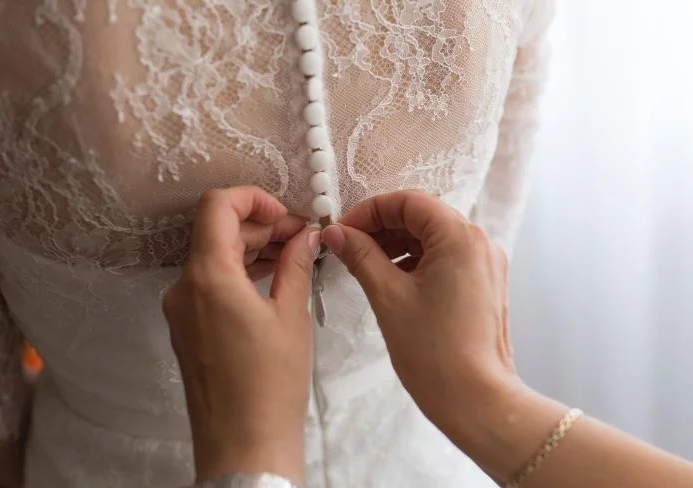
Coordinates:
[501,203]
[13,391]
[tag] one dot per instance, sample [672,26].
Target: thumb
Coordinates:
[293,277]
[364,258]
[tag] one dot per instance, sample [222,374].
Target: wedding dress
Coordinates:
[116,115]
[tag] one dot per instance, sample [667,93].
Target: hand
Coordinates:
[246,361]
[443,310]
[265,241]
[444,314]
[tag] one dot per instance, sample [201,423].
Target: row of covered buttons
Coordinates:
[310,64]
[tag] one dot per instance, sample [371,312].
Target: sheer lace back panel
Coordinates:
[115,115]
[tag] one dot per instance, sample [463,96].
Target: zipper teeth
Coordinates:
[319,311]
[319,401]
[320,414]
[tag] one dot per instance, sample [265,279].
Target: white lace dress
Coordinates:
[115,116]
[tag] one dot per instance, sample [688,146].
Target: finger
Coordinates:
[220,213]
[287,228]
[262,262]
[260,269]
[283,230]
[364,258]
[249,257]
[502,265]
[271,251]
[411,210]
[409,263]
[294,273]
[504,292]
[256,235]
[397,243]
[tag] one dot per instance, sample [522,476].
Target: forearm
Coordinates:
[597,455]
[591,455]
[283,458]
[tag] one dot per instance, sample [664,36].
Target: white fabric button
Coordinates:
[320,182]
[314,113]
[322,205]
[310,63]
[314,89]
[317,138]
[307,37]
[319,161]
[301,10]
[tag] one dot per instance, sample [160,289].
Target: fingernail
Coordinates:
[314,243]
[333,236]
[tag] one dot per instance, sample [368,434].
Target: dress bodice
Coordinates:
[116,115]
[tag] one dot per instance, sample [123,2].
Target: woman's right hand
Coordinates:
[443,312]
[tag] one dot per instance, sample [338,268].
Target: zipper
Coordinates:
[319,308]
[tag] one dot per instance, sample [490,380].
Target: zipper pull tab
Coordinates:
[319,308]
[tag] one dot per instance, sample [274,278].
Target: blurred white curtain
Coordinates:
[602,290]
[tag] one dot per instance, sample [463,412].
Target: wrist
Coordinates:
[280,453]
[506,427]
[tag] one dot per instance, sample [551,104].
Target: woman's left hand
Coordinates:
[245,360]
[264,243]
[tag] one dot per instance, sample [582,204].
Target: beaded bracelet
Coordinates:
[566,422]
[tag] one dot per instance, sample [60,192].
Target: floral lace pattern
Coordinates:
[116,115]
[196,78]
